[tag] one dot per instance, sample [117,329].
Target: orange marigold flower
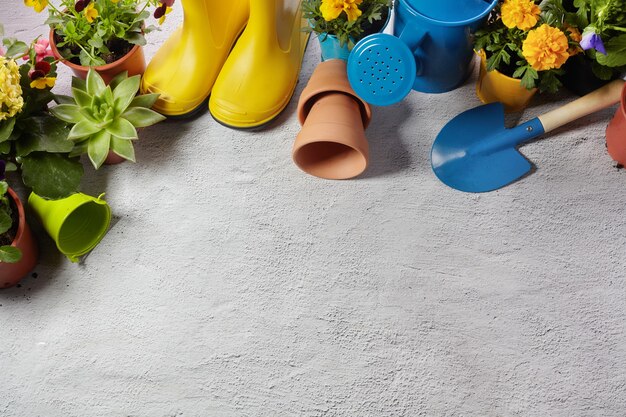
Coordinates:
[522,14]
[545,48]
[574,35]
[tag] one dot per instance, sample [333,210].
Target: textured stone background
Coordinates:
[232,284]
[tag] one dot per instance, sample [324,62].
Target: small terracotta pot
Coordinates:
[113,159]
[332,142]
[11,274]
[616,132]
[134,62]
[493,86]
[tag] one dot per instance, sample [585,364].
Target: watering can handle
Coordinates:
[413,39]
[597,100]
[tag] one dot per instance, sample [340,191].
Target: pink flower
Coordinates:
[42,49]
[2,51]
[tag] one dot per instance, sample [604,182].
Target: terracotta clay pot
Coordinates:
[134,62]
[493,86]
[332,142]
[11,274]
[616,132]
[113,159]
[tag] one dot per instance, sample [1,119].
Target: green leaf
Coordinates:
[5,147]
[142,117]
[615,52]
[43,134]
[83,129]
[602,72]
[125,93]
[122,129]
[81,97]
[5,220]
[16,50]
[118,79]
[136,38]
[79,149]
[123,148]
[69,113]
[63,99]
[10,254]
[79,84]
[95,83]
[98,148]
[51,175]
[6,128]
[145,100]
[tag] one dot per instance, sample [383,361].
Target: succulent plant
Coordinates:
[105,117]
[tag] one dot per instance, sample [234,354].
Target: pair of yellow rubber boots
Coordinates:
[248,84]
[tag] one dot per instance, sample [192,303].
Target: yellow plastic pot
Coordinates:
[76,223]
[493,86]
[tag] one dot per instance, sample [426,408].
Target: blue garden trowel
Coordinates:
[475,153]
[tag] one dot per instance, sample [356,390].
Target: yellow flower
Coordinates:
[38,5]
[43,82]
[545,48]
[11,100]
[331,9]
[91,12]
[162,18]
[115,1]
[522,14]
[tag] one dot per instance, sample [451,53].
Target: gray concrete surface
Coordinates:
[232,284]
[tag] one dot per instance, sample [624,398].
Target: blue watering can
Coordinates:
[431,50]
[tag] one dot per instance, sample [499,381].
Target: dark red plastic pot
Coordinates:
[616,132]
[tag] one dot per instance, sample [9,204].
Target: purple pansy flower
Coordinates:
[593,41]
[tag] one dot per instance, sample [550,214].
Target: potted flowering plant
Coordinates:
[18,251]
[603,27]
[522,48]
[105,34]
[32,140]
[340,24]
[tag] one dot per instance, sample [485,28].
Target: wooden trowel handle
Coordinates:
[597,100]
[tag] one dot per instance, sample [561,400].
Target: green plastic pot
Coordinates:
[76,223]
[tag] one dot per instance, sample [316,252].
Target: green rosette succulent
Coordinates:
[105,117]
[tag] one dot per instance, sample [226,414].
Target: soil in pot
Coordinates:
[7,237]
[118,49]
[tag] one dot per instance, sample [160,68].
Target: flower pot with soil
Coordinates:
[18,249]
[107,35]
[493,86]
[602,25]
[523,48]
[340,26]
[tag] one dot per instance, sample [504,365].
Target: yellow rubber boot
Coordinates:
[260,75]
[184,69]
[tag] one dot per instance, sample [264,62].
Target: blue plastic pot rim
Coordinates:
[446,23]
